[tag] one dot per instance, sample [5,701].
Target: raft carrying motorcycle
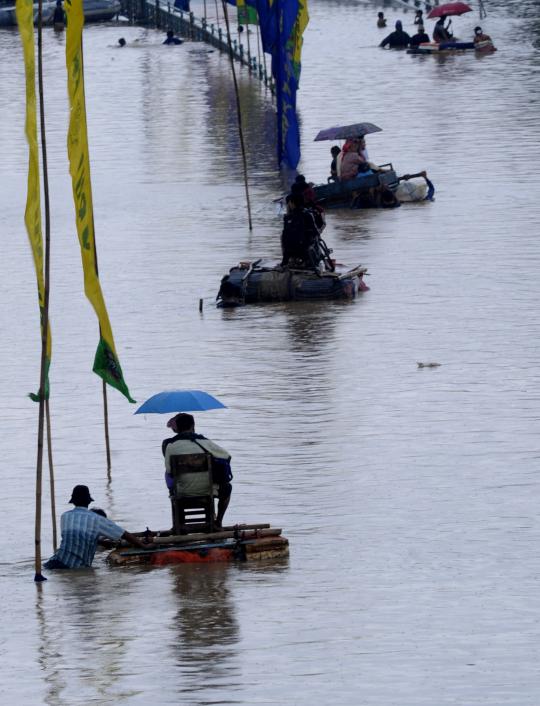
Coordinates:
[374,189]
[267,281]
[316,276]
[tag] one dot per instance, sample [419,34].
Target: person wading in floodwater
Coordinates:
[81,529]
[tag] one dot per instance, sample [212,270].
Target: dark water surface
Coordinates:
[410,496]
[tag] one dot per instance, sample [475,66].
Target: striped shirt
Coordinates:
[80,531]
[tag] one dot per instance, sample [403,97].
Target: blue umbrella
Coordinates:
[180,401]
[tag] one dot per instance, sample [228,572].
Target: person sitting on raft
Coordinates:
[352,160]
[334,151]
[300,235]
[440,32]
[381,19]
[301,186]
[187,441]
[419,17]
[419,38]
[397,39]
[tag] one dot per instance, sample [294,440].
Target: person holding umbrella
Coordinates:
[440,32]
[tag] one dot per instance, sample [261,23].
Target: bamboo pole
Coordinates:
[51,475]
[238,111]
[45,312]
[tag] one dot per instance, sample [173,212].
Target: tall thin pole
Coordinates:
[217,13]
[238,111]
[45,313]
[106,424]
[51,475]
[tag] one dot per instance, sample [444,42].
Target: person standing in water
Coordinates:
[59,18]
[397,39]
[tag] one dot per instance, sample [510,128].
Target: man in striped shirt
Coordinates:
[81,529]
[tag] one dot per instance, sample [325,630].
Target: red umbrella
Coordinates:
[449,8]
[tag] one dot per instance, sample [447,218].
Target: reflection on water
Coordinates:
[206,628]
[413,543]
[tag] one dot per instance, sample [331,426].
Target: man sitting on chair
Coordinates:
[187,441]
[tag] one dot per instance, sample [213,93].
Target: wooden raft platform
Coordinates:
[237,543]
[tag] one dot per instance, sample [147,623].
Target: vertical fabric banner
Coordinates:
[290,132]
[282,24]
[32,215]
[106,363]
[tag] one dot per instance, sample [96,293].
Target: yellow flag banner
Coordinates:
[106,363]
[32,215]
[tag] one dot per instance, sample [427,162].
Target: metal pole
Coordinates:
[238,110]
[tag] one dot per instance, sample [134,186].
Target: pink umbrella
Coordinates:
[449,8]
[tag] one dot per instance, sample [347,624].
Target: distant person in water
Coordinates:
[419,18]
[81,529]
[171,39]
[121,42]
[381,19]
[440,32]
[397,39]
[479,36]
[482,42]
[420,37]
[59,18]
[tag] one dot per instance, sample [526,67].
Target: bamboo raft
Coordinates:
[235,543]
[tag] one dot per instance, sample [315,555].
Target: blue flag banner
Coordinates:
[282,23]
[182,5]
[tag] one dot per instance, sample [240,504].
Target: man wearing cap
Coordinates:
[80,531]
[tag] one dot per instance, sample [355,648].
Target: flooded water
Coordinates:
[409,496]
